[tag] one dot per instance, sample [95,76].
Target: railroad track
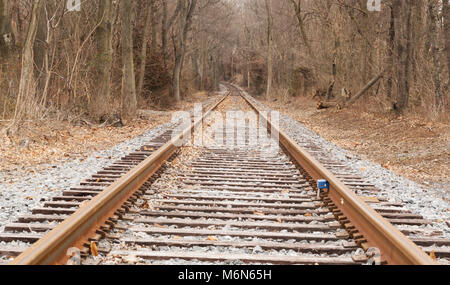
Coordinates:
[249,203]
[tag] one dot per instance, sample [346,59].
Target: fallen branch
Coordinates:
[364,90]
[341,102]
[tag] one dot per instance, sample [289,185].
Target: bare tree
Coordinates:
[6,34]
[185,22]
[402,11]
[301,24]
[269,47]
[143,56]
[446,16]
[164,30]
[154,24]
[390,54]
[435,45]
[129,100]
[98,106]
[26,86]
[167,24]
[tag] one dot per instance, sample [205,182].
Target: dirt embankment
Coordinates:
[409,146]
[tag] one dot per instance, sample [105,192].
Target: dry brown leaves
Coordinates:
[94,249]
[48,142]
[433,255]
[41,143]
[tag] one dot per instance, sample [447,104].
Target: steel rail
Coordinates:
[395,247]
[85,222]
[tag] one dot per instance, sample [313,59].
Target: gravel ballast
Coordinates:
[32,189]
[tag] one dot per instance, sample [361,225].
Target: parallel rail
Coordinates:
[356,214]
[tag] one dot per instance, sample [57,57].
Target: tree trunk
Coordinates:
[334,72]
[435,46]
[403,8]
[154,24]
[177,75]
[179,57]
[26,85]
[129,102]
[187,12]
[301,24]
[291,70]
[98,106]
[203,65]
[269,48]
[195,57]
[167,23]
[390,56]
[40,50]
[248,73]
[7,40]
[164,30]
[147,29]
[446,14]
[216,71]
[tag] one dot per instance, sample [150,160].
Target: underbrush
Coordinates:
[420,109]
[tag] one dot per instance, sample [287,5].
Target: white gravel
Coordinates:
[33,189]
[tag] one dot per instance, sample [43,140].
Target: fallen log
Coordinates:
[364,90]
[342,102]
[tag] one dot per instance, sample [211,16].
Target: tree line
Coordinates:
[341,51]
[103,58]
[100,57]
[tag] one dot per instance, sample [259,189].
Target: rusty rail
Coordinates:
[84,223]
[395,247]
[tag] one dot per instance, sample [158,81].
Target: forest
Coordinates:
[102,59]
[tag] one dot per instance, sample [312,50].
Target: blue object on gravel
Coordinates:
[323,184]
